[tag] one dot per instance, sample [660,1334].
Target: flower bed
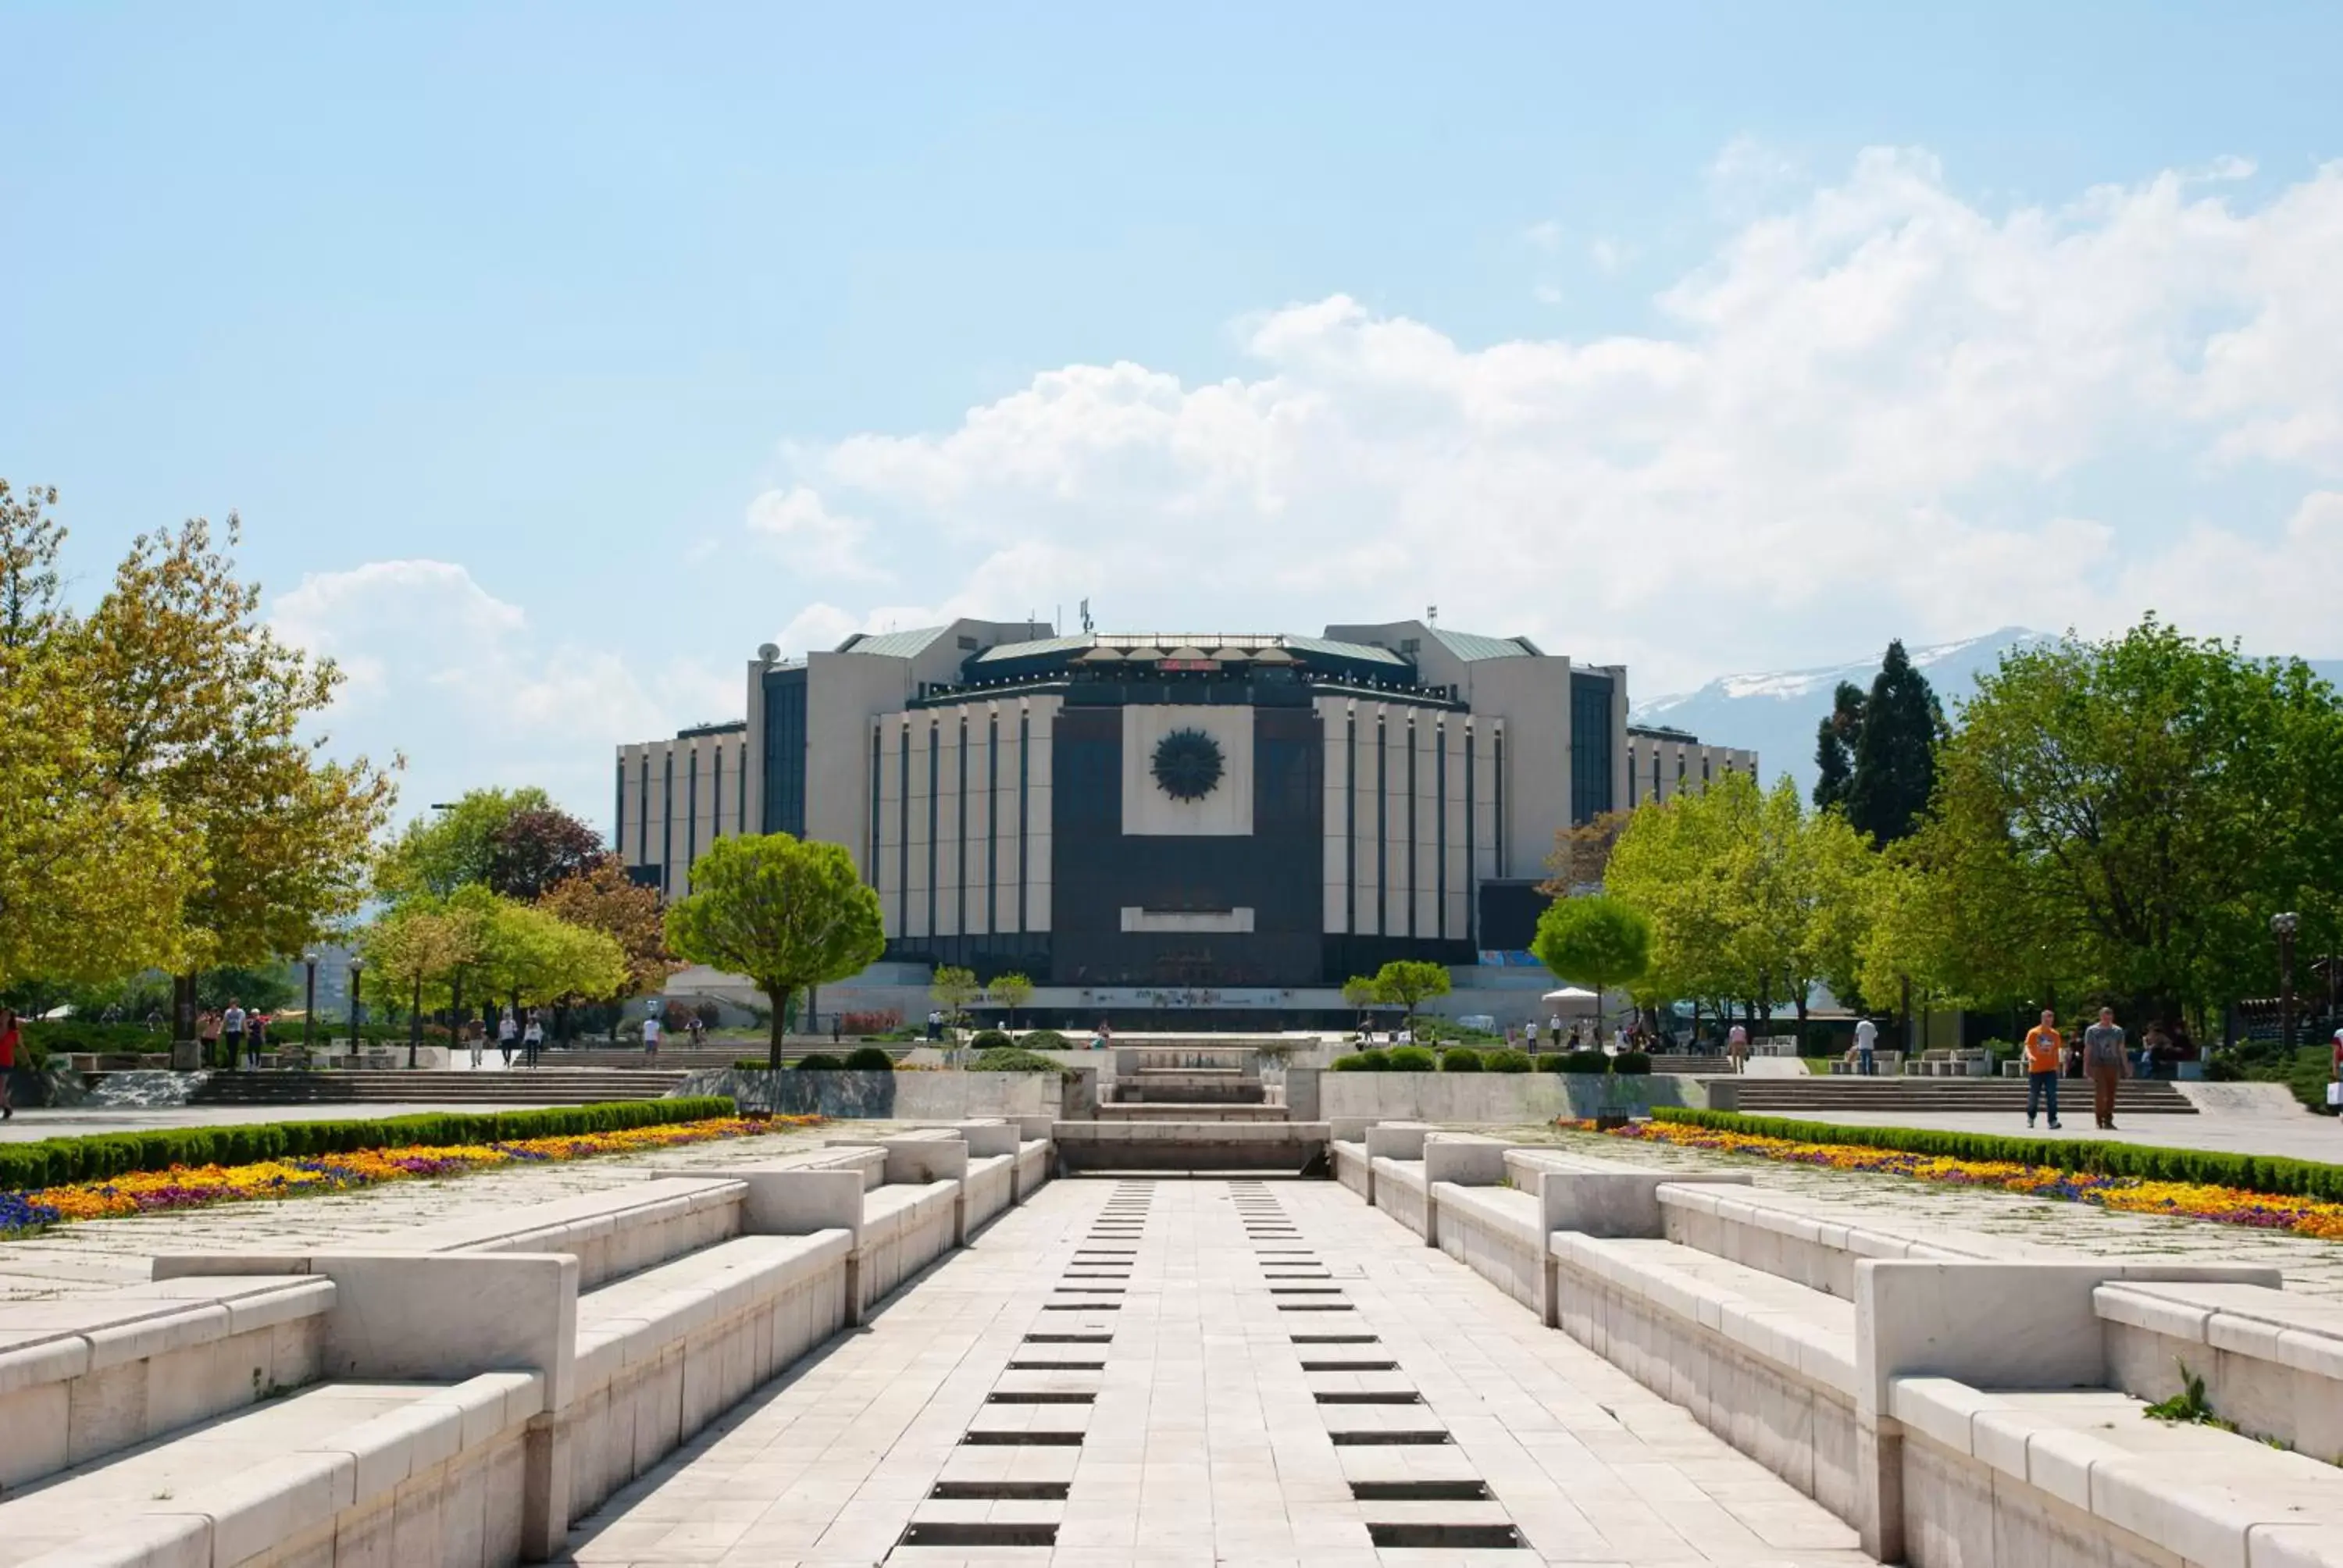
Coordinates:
[201,1186]
[2302,1215]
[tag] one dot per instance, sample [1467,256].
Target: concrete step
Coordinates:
[542,1086]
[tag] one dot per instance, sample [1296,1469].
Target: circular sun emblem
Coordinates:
[1187,764]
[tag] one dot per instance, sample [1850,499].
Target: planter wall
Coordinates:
[1501,1098]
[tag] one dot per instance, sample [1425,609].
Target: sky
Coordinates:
[555,357]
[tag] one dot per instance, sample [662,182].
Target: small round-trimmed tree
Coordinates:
[786,912]
[1598,939]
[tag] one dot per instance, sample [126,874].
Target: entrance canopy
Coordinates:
[1571,996]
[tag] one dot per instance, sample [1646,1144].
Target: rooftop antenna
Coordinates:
[1432,615]
[1086,617]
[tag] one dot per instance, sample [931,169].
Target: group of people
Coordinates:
[525,1030]
[231,1035]
[2103,1055]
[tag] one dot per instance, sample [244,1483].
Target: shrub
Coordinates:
[54,1161]
[1008,1059]
[1628,1062]
[1581,1062]
[1044,1039]
[869,1059]
[992,1040]
[749,1064]
[886,1020]
[1361,1062]
[2250,1172]
[1506,1060]
[1461,1060]
[1409,1058]
[819,1061]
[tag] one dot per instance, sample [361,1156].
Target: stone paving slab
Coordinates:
[1204,1441]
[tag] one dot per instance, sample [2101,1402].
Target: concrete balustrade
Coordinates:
[461,1391]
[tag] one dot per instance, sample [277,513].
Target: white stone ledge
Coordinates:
[639,1319]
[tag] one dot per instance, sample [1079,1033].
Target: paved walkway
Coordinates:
[1207,1371]
[29,1125]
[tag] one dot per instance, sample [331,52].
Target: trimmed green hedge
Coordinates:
[992,1040]
[1506,1060]
[819,1061]
[2250,1172]
[869,1059]
[54,1161]
[1629,1062]
[1361,1062]
[1592,1061]
[1459,1060]
[1043,1040]
[1410,1059]
[1012,1059]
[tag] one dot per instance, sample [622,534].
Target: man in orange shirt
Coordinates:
[2043,1049]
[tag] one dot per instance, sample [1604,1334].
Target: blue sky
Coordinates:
[569,352]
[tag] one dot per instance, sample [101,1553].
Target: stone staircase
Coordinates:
[1800,1096]
[520,1086]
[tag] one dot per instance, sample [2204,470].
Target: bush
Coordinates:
[992,1040]
[1008,1059]
[1506,1062]
[1631,1062]
[869,1059]
[819,1061]
[54,1161]
[1461,1060]
[1581,1062]
[1409,1058]
[884,1021]
[749,1064]
[1361,1062]
[1044,1039]
[2250,1172]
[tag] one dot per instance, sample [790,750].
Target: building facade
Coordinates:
[1168,809]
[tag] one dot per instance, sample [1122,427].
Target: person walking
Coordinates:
[256,1039]
[508,1034]
[232,1034]
[2043,1048]
[11,1037]
[532,1038]
[1736,1048]
[207,1036]
[1866,1047]
[480,1037]
[650,1034]
[2105,1064]
[1533,1037]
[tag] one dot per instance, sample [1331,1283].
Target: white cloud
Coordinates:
[1878,409]
[447,673]
[815,540]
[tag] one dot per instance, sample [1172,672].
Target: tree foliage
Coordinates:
[1598,939]
[442,852]
[954,988]
[537,850]
[786,913]
[1581,854]
[1012,991]
[602,897]
[1894,751]
[1408,982]
[1835,740]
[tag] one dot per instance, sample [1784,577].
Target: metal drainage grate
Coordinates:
[1001,1491]
[1418,1491]
[957,1532]
[1314,1306]
[1090,1290]
[1077,1366]
[1447,1537]
[1371,1396]
[1426,1437]
[1327,1339]
[1040,1396]
[1305,1289]
[1082,1306]
[1341,1366]
[1069,1339]
[989,1438]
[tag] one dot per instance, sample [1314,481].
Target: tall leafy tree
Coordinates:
[534,849]
[1835,742]
[1409,982]
[440,853]
[1597,940]
[1012,991]
[1581,854]
[1893,753]
[786,913]
[603,898]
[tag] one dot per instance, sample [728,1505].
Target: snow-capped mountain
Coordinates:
[1775,713]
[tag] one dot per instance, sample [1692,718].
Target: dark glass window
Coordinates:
[785,751]
[1589,746]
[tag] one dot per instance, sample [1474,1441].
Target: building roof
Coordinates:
[1472,647]
[1189,644]
[893,643]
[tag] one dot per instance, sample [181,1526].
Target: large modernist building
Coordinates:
[1169,808]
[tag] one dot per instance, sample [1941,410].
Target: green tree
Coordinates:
[1835,743]
[442,852]
[1012,991]
[2131,811]
[535,850]
[603,898]
[1359,992]
[786,913]
[1596,939]
[1408,982]
[1894,751]
[954,988]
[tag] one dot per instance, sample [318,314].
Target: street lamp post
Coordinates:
[2283,928]
[357,965]
[414,1024]
[309,1001]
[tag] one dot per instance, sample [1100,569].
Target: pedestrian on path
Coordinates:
[651,1035]
[232,1034]
[2043,1048]
[532,1038]
[10,1038]
[2105,1065]
[508,1034]
[207,1036]
[256,1039]
[1866,1045]
[2335,1076]
[1736,1048]
[480,1037]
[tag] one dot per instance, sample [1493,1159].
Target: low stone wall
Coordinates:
[883,1096]
[1502,1098]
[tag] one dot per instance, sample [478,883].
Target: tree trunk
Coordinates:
[780,996]
[183,1008]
